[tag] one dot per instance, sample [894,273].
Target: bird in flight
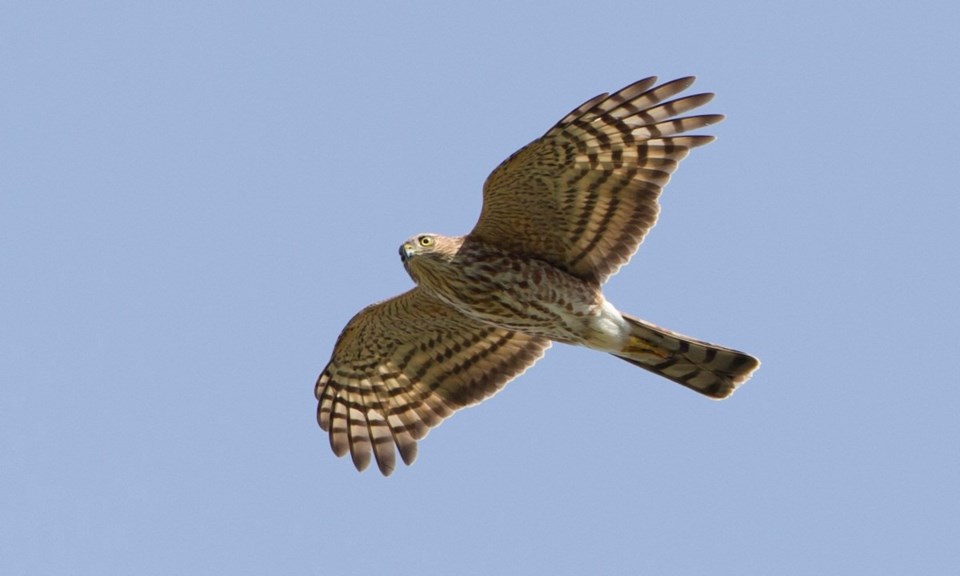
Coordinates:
[559,217]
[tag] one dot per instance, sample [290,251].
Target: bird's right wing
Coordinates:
[403,365]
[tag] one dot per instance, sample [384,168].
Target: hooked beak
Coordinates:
[406,251]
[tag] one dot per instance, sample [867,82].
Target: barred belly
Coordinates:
[529,296]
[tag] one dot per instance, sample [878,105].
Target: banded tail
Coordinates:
[706,368]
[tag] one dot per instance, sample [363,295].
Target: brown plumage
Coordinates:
[559,217]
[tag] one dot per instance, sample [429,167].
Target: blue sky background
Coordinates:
[195,198]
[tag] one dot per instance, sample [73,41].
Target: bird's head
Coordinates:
[425,252]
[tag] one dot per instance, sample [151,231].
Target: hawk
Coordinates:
[559,217]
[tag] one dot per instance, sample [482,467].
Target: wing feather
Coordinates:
[402,366]
[584,196]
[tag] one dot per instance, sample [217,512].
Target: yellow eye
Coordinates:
[425,241]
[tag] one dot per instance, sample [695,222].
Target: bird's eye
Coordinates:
[426,241]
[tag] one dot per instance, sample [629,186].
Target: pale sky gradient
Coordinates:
[196,197]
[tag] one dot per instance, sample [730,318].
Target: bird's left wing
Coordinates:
[583,196]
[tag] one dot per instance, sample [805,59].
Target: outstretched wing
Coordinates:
[584,195]
[401,366]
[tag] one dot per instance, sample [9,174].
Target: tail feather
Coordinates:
[706,368]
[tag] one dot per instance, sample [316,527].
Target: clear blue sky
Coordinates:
[195,197]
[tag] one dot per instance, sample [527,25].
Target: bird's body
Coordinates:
[559,217]
[509,291]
